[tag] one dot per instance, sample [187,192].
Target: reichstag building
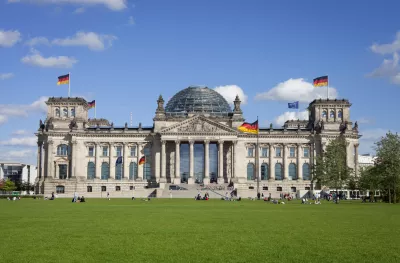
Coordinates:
[194,143]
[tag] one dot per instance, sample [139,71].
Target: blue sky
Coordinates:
[124,54]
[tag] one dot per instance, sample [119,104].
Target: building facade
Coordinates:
[194,141]
[18,172]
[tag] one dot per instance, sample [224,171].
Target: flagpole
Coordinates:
[95,107]
[69,84]
[257,160]
[327,88]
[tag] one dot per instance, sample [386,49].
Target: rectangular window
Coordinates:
[306,152]
[133,151]
[147,151]
[105,151]
[278,152]
[119,151]
[292,152]
[264,152]
[250,152]
[91,151]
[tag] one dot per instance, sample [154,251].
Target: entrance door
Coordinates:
[62,171]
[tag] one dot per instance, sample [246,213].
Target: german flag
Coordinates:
[249,127]
[63,79]
[142,160]
[321,81]
[92,104]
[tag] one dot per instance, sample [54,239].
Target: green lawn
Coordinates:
[172,230]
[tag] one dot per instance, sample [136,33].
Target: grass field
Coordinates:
[172,230]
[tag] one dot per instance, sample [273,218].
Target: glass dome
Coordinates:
[197,99]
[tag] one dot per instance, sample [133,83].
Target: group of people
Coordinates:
[78,199]
[198,197]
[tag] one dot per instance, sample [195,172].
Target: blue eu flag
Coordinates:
[293,105]
[119,160]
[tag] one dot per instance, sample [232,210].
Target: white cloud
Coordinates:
[15,110]
[20,155]
[79,10]
[4,76]
[389,69]
[21,132]
[36,59]
[229,92]
[92,40]
[296,90]
[387,48]
[131,21]
[23,141]
[291,115]
[364,120]
[9,38]
[115,5]
[38,41]
[368,139]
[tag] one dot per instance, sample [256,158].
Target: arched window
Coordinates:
[292,171]
[62,149]
[340,114]
[91,170]
[278,171]
[133,171]
[73,112]
[65,112]
[332,114]
[147,171]
[250,171]
[306,171]
[324,114]
[60,189]
[119,173]
[57,112]
[264,171]
[105,171]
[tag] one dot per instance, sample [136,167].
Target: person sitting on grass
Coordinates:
[83,199]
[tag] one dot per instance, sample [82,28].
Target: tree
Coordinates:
[387,166]
[331,168]
[8,186]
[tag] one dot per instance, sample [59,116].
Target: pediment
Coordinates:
[198,124]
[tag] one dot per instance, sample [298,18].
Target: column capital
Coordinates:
[191,142]
[50,142]
[177,141]
[163,142]
[206,141]
[74,142]
[111,143]
[356,145]
[220,141]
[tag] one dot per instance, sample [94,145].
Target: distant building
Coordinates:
[366,160]
[18,172]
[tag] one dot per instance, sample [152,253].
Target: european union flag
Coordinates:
[119,160]
[293,105]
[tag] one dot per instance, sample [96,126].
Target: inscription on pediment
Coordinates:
[199,125]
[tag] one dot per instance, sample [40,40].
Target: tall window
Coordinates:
[105,151]
[62,171]
[147,164]
[306,171]
[306,152]
[119,150]
[278,171]
[250,171]
[60,189]
[250,152]
[73,112]
[264,152]
[133,151]
[340,114]
[292,171]
[91,170]
[89,189]
[57,112]
[278,152]
[324,114]
[119,173]
[292,152]
[133,171]
[105,171]
[62,149]
[264,171]
[91,151]
[65,112]
[332,114]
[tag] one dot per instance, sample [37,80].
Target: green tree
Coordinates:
[387,168]
[8,185]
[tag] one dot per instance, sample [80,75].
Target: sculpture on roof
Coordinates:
[355,128]
[73,125]
[343,127]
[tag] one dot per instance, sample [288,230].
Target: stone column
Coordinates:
[271,163]
[74,145]
[299,166]
[206,179]
[98,164]
[163,162]
[50,163]
[39,159]
[125,170]
[139,167]
[285,171]
[177,179]
[112,161]
[191,162]
[44,167]
[220,161]
[235,158]
[356,159]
